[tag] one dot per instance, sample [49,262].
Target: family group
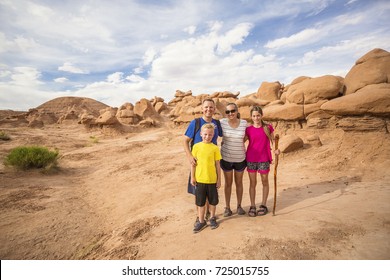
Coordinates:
[207,160]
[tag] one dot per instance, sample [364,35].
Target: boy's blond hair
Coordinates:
[207,126]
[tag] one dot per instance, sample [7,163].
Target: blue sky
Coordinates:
[123,50]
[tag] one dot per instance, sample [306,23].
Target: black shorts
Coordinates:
[229,166]
[206,191]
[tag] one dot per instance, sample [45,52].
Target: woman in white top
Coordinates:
[233,161]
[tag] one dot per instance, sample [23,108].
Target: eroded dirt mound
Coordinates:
[124,243]
[330,240]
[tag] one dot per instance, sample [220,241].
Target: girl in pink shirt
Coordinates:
[258,156]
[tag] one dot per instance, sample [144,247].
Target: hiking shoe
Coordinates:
[196,221]
[213,223]
[227,212]
[199,226]
[240,211]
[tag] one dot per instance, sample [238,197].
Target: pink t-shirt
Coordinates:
[259,148]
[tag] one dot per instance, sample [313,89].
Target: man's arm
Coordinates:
[186,146]
[193,178]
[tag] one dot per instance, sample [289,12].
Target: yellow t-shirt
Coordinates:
[206,155]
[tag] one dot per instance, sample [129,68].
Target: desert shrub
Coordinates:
[94,139]
[4,136]
[31,157]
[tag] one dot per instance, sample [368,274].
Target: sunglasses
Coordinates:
[230,112]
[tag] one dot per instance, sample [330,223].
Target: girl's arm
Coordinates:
[218,168]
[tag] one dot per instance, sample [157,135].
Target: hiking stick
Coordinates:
[275,171]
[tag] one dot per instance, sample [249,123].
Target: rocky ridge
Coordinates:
[358,102]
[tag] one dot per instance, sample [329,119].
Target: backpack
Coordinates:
[197,127]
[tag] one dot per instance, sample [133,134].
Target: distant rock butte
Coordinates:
[69,104]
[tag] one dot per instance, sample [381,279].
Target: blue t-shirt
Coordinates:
[191,129]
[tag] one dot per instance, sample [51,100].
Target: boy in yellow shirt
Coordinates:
[206,176]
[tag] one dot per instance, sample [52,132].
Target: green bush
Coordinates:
[31,157]
[94,139]
[4,136]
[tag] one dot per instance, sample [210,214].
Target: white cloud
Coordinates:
[23,91]
[5,73]
[39,11]
[215,26]
[344,20]
[23,99]
[350,2]
[199,53]
[115,78]
[20,43]
[233,37]
[354,47]
[26,76]
[335,59]
[69,67]
[301,38]
[319,6]
[4,45]
[259,59]
[25,44]
[115,94]
[135,78]
[335,27]
[149,56]
[199,64]
[190,29]
[61,80]
[138,70]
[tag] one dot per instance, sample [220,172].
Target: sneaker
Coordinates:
[213,223]
[199,226]
[196,221]
[240,211]
[227,212]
